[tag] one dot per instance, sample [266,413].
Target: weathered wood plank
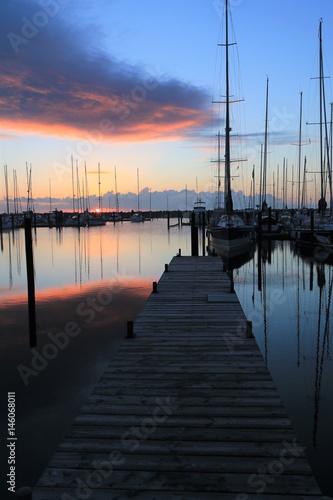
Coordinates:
[164,462]
[188,434]
[178,481]
[187,409]
[115,494]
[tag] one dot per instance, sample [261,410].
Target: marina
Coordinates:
[284,293]
[166,342]
[187,408]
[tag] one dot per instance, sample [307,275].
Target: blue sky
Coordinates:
[129,84]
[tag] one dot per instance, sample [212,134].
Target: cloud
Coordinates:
[58,79]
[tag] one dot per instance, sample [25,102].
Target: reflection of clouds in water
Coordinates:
[101,253]
[54,395]
[96,307]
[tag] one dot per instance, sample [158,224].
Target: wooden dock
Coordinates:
[186,409]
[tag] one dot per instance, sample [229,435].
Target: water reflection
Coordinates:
[90,282]
[95,253]
[288,298]
[286,294]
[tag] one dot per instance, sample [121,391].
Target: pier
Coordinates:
[187,408]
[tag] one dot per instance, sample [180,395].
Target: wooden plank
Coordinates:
[195,481]
[103,494]
[187,409]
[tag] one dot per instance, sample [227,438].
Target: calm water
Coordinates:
[90,282]
[292,313]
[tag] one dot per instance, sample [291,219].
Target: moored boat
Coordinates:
[230,234]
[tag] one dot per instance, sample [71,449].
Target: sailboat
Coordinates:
[230,234]
[318,230]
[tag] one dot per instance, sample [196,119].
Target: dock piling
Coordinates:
[31,282]
[130,331]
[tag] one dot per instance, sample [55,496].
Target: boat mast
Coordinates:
[137,178]
[219,171]
[116,189]
[227,195]
[299,153]
[6,187]
[321,113]
[323,123]
[264,176]
[73,189]
[99,187]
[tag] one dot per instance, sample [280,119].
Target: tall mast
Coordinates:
[137,178]
[321,111]
[6,187]
[228,200]
[219,171]
[87,190]
[99,187]
[264,176]
[50,195]
[299,153]
[73,191]
[116,188]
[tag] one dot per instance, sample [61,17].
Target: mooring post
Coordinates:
[194,237]
[25,492]
[249,332]
[31,282]
[203,229]
[166,268]
[130,333]
[154,286]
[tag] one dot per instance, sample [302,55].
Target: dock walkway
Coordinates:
[187,408]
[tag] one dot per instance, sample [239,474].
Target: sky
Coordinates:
[129,85]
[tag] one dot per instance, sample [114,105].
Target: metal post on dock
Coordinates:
[203,230]
[31,282]
[249,332]
[166,268]
[130,330]
[154,286]
[25,492]
[194,237]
